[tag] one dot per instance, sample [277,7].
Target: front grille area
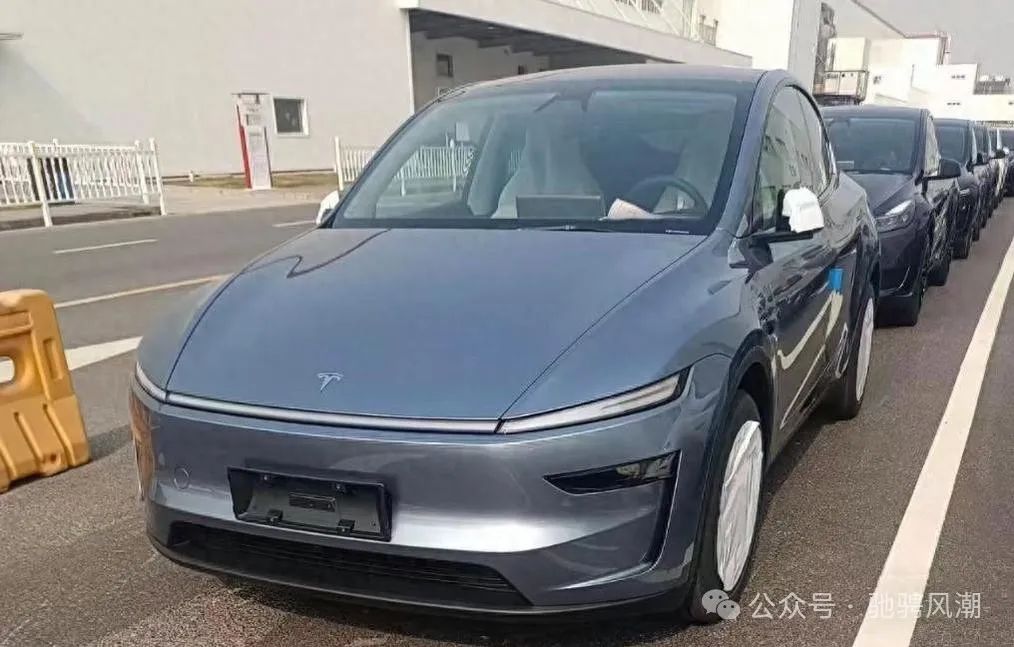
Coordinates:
[408,579]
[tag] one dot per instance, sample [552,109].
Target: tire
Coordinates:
[904,311]
[963,246]
[977,231]
[938,276]
[706,576]
[845,398]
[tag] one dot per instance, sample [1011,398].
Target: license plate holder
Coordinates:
[337,507]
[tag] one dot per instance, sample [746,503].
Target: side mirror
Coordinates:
[981,159]
[949,169]
[329,202]
[801,209]
[1000,154]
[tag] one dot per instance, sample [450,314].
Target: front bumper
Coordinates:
[900,253]
[475,525]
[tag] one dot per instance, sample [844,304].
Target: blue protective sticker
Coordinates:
[836,279]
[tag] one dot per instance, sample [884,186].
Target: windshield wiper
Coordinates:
[571,227]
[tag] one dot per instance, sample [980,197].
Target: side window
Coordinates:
[781,167]
[819,152]
[932,149]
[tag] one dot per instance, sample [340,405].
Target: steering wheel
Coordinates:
[639,193]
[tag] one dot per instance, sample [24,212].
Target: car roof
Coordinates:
[874,111]
[949,121]
[605,75]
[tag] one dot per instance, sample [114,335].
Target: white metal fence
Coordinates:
[33,174]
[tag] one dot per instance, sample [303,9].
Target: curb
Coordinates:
[35,221]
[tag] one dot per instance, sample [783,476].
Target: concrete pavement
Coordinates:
[180,200]
[76,569]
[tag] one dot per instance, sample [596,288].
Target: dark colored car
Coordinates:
[1006,141]
[988,169]
[549,379]
[894,155]
[956,138]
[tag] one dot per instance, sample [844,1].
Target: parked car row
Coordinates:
[555,382]
[932,185]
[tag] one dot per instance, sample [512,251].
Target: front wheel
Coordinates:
[731,509]
[845,398]
[904,311]
[963,246]
[942,271]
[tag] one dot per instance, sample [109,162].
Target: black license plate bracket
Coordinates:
[337,507]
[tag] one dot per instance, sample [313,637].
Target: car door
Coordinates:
[795,274]
[937,192]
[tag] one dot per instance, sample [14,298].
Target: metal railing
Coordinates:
[44,175]
[670,16]
[440,166]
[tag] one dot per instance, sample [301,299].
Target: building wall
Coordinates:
[849,53]
[776,34]
[803,40]
[980,107]
[855,19]
[471,63]
[119,70]
[947,80]
[907,51]
[621,31]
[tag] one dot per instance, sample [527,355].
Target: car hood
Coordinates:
[880,187]
[425,323]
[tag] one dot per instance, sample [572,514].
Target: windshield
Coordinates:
[644,159]
[982,141]
[953,143]
[873,144]
[1007,138]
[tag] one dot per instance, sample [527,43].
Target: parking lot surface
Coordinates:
[76,567]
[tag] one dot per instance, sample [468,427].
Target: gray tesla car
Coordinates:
[536,361]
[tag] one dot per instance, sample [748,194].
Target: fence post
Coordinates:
[158,175]
[338,165]
[142,176]
[454,170]
[40,186]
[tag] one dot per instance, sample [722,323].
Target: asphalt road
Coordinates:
[76,568]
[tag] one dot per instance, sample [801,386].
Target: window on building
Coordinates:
[958,77]
[290,116]
[877,79]
[522,70]
[445,65]
[954,103]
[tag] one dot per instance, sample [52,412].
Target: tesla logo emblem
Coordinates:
[328,378]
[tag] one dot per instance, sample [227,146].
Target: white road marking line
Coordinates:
[136,291]
[294,223]
[126,243]
[908,564]
[83,355]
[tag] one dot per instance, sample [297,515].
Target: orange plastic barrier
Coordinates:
[41,431]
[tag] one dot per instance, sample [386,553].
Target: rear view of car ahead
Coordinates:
[957,141]
[552,382]
[893,153]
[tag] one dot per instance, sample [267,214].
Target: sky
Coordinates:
[982,31]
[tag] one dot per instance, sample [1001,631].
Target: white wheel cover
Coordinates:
[737,512]
[865,349]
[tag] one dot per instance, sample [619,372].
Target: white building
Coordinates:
[118,70]
[915,71]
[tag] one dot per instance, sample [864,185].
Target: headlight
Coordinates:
[611,407]
[899,216]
